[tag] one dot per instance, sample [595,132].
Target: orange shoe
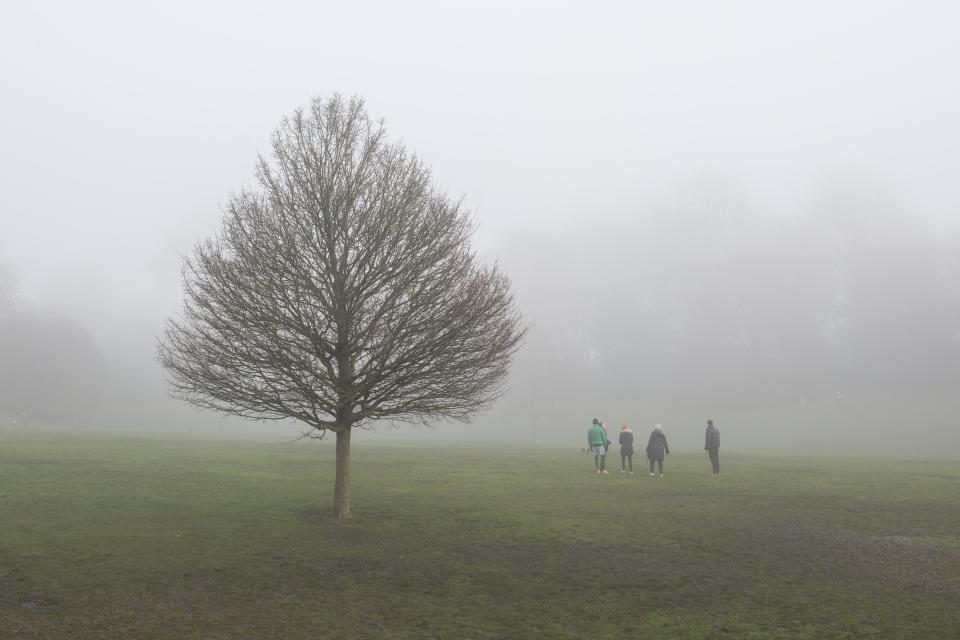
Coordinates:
[605,472]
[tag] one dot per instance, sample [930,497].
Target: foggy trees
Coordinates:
[51,371]
[6,288]
[704,301]
[343,291]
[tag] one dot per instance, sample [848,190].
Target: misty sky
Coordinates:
[124,127]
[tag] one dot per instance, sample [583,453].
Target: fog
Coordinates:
[743,211]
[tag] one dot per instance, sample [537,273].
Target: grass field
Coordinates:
[138,536]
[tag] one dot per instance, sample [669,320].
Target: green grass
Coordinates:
[136,536]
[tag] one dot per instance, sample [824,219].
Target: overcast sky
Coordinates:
[124,126]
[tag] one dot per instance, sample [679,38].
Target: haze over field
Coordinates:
[747,211]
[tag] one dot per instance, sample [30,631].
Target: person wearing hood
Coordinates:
[626,449]
[657,448]
[712,446]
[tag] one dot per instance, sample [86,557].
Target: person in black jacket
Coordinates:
[657,447]
[626,449]
[712,446]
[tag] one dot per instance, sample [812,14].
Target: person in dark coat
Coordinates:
[626,449]
[657,448]
[712,446]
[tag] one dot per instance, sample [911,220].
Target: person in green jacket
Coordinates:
[597,440]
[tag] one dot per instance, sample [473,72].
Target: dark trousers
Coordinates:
[715,459]
[660,462]
[600,462]
[624,458]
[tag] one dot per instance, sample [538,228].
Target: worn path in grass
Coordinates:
[137,536]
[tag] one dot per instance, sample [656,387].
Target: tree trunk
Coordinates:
[341,490]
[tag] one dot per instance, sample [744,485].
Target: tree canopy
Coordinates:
[343,290]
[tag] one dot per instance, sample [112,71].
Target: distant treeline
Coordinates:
[50,369]
[701,302]
[706,300]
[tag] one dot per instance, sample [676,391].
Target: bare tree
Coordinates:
[341,292]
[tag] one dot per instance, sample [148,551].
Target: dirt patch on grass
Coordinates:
[926,563]
[917,566]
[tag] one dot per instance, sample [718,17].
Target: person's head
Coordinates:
[623,428]
[709,423]
[659,427]
[595,421]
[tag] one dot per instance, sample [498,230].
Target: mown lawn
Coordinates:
[140,536]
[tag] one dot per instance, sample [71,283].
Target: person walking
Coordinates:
[626,449]
[712,447]
[597,440]
[657,448]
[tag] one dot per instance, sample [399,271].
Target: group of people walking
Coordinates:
[657,448]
